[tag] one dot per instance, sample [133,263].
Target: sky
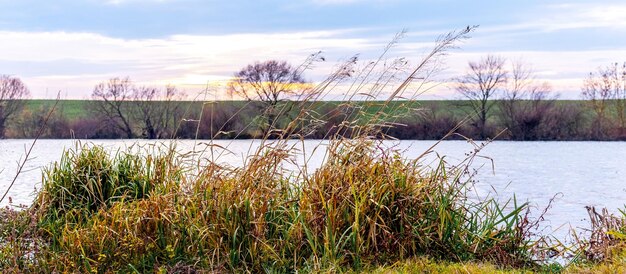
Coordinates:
[70,46]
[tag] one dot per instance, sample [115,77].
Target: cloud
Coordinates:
[348,2]
[75,61]
[559,17]
[120,2]
[573,16]
[87,58]
[335,2]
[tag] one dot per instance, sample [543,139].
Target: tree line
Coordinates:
[500,98]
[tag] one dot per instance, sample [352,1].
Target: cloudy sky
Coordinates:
[72,45]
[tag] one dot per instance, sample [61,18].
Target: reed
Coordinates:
[146,210]
[605,241]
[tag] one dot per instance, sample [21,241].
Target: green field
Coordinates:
[77,109]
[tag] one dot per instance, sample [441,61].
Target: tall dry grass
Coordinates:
[368,204]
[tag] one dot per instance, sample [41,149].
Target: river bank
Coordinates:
[562,120]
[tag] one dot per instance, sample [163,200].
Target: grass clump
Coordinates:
[368,204]
[88,182]
[87,179]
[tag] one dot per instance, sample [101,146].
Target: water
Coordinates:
[576,174]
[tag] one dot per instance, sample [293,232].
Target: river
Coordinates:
[576,174]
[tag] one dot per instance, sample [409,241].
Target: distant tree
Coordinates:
[12,93]
[111,103]
[619,77]
[606,86]
[525,104]
[157,111]
[480,86]
[34,121]
[270,83]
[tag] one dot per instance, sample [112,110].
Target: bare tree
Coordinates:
[12,93]
[269,83]
[606,86]
[46,121]
[619,77]
[112,103]
[480,86]
[157,111]
[618,74]
[525,104]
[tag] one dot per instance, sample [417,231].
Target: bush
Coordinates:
[218,120]
[31,121]
[88,128]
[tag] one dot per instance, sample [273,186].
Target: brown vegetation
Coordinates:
[12,93]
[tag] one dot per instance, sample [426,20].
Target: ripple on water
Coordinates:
[582,173]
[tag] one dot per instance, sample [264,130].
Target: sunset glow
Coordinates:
[193,44]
